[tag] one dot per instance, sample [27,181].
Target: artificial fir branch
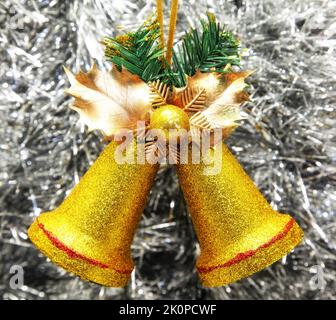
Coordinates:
[210,50]
[139,52]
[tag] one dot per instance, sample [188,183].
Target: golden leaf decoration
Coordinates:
[200,123]
[193,100]
[109,101]
[213,100]
[159,93]
[224,94]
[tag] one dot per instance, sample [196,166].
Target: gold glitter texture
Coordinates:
[238,231]
[91,232]
[170,119]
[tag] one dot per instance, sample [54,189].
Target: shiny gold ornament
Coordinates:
[170,119]
[238,231]
[91,232]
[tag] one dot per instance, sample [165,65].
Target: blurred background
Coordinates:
[287,144]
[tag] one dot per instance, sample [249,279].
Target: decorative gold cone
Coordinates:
[91,232]
[238,231]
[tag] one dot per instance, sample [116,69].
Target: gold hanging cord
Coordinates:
[172,26]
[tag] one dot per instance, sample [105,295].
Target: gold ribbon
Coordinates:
[172,26]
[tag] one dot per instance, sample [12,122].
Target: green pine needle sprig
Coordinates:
[138,52]
[210,49]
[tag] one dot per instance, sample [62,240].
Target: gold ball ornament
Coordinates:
[170,119]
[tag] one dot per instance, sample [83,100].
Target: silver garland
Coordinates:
[287,144]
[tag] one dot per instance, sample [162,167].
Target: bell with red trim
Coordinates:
[91,232]
[238,231]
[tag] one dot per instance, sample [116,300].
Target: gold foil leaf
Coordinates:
[109,101]
[225,92]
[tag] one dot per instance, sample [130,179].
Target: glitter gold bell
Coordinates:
[91,232]
[238,231]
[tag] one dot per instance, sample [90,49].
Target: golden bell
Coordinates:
[91,232]
[238,231]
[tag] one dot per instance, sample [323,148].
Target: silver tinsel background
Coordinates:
[287,144]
